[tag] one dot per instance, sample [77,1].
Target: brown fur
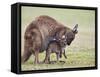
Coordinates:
[54,47]
[39,33]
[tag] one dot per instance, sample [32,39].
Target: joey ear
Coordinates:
[61,33]
[75,29]
[57,35]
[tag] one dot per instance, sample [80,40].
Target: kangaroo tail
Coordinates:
[26,56]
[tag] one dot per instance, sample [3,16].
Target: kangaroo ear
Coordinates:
[75,29]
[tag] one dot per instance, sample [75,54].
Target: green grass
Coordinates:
[81,53]
[74,59]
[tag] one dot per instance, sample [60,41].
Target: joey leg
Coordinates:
[64,54]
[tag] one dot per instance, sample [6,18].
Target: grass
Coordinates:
[74,59]
[81,53]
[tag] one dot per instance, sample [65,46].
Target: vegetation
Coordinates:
[81,53]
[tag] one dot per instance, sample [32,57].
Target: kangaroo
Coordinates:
[40,32]
[54,47]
